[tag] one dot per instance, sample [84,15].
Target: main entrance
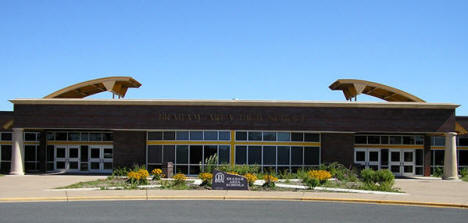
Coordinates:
[83,158]
[402,162]
[367,158]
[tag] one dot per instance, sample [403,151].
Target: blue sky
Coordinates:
[282,50]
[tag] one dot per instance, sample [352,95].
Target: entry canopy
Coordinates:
[116,85]
[352,88]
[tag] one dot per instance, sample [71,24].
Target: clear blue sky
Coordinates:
[285,50]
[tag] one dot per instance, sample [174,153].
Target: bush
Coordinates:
[206,178]
[251,178]
[438,172]
[157,174]
[120,171]
[312,182]
[138,177]
[464,172]
[269,181]
[367,176]
[382,180]
[210,163]
[239,169]
[179,179]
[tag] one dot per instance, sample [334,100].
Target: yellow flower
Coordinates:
[179,177]
[270,178]
[157,172]
[205,176]
[251,178]
[321,175]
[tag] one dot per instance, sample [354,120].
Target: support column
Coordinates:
[17,152]
[450,159]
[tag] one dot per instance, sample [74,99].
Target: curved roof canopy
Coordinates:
[116,85]
[352,87]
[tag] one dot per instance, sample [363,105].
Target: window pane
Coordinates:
[384,157]
[283,155]
[61,136]
[439,157]
[74,136]
[182,154]
[241,136]
[224,135]
[360,156]
[419,157]
[269,155]
[241,154]
[50,136]
[170,135]
[419,140]
[395,156]
[311,137]
[408,140]
[84,136]
[182,135]
[30,153]
[373,139]
[211,135]
[196,154]
[284,136]
[255,136]
[95,153]
[210,151]
[384,139]
[107,136]
[168,154]
[311,156]
[155,136]
[224,154]
[30,136]
[296,155]
[60,152]
[6,152]
[439,141]
[196,135]
[154,154]
[463,141]
[50,153]
[95,137]
[6,136]
[395,140]
[297,136]
[255,155]
[73,152]
[463,157]
[84,154]
[269,136]
[360,139]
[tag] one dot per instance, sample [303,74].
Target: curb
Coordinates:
[345,200]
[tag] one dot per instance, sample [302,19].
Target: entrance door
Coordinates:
[67,158]
[100,159]
[402,162]
[368,158]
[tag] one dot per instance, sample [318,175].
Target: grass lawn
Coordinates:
[1,175]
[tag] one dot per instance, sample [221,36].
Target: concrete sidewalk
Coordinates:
[426,191]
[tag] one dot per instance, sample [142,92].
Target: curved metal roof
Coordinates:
[116,85]
[352,87]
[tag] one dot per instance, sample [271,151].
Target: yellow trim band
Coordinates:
[233,143]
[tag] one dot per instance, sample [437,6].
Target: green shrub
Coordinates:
[210,163]
[438,172]
[382,180]
[368,176]
[311,182]
[464,172]
[120,171]
[239,169]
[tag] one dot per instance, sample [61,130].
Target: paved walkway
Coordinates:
[37,187]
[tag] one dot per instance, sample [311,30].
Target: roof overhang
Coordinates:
[116,85]
[352,87]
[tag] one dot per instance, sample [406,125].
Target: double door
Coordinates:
[100,159]
[83,158]
[67,158]
[367,158]
[402,162]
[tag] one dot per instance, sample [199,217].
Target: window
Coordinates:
[95,137]
[196,135]
[195,154]
[297,136]
[155,136]
[61,136]
[30,153]
[269,136]
[224,135]
[6,136]
[311,137]
[30,136]
[255,155]
[210,151]
[296,155]
[283,155]
[360,139]
[211,135]
[182,135]
[419,140]
[241,136]
[463,141]
[168,153]
[438,141]
[373,139]
[408,140]
[182,154]
[74,136]
[241,154]
[224,154]
[269,155]
[311,156]
[395,140]
[169,135]
[6,152]
[155,154]
[284,136]
[255,136]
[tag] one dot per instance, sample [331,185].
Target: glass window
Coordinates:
[224,135]
[283,155]
[408,140]
[269,136]
[184,135]
[155,154]
[296,155]
[84,136]
[255,155]
[97,136]
[241,154]
[29,136]
[30,153]
[107,136]
[383,139]
[6,152]
[463,157]
[439,157]
[155,136]
[311,137]
[6,136]
[269,155]
[50,136]
[360,156]
[419,157]
[297,137]
[255,136]
[74,136]
[360,140]
[196,153]
[50,153]
[419,140]
[463,141]
[196,135]
[182,154]
[73,153]
[284,136]
[210,151]
[84,154]
[169,135]
[373,139]
[60,152]
[224,154]
[395,156]
[311,156]
[241,136]
[61,136]
[168,154]
[395,140]
[384,157]
[211,135]
[439,141]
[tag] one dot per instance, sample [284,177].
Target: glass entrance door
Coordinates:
[67,158]
[402,162]
[100,159]
[367,158]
